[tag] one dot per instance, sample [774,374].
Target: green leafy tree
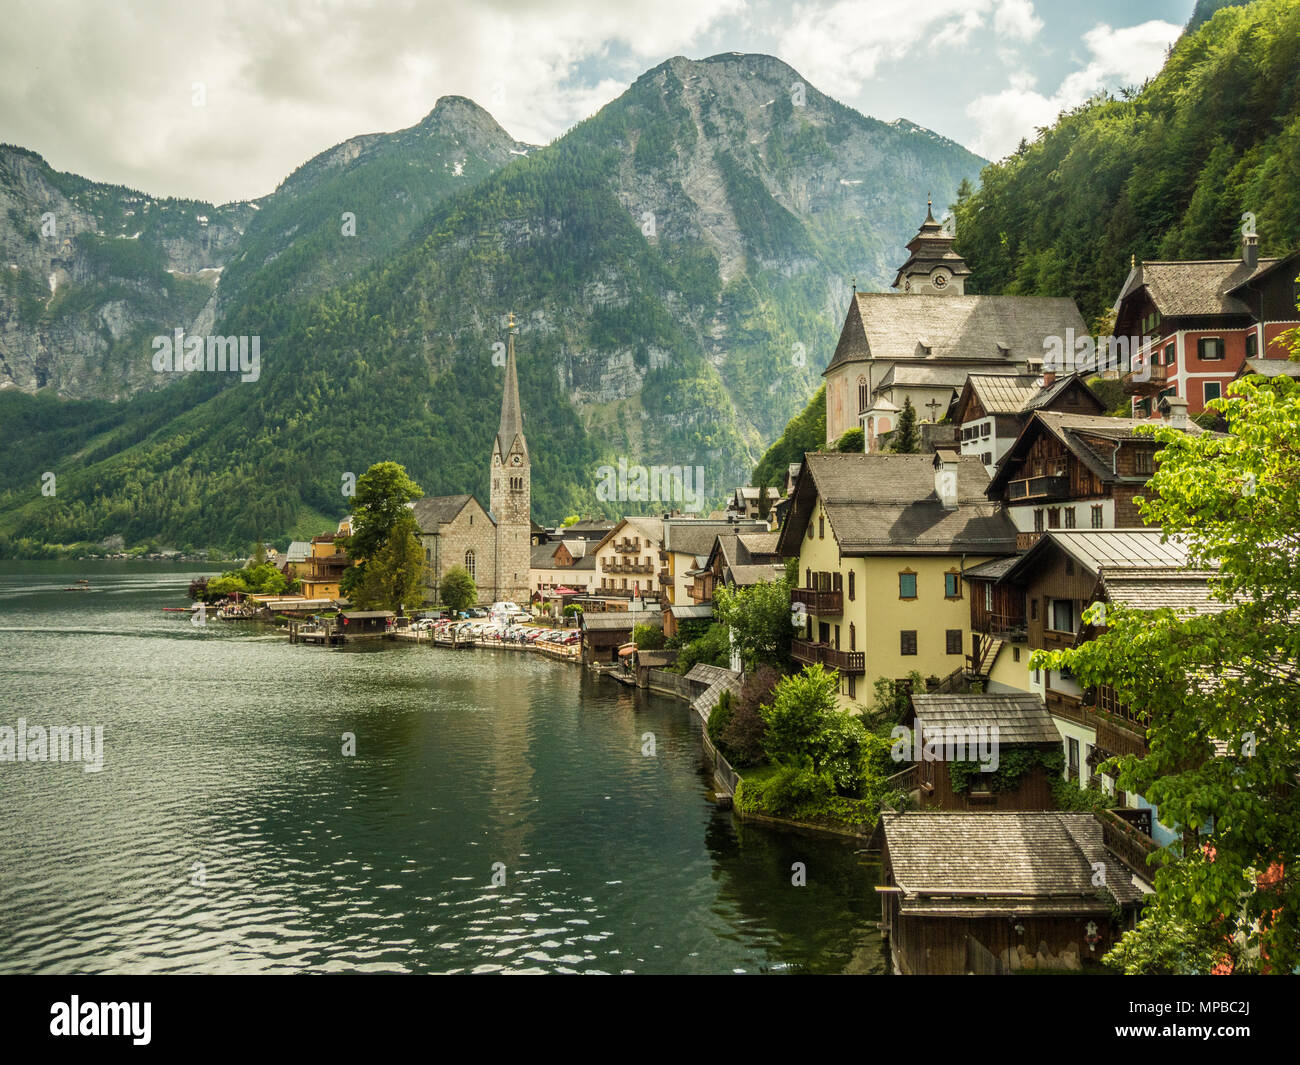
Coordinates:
[647,637]
[394,576]
[852,441]
[759,620]
[457,590]
[906,440]
[380,503]
[797,715]
[1218,690]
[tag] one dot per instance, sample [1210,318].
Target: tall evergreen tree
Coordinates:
[906,439]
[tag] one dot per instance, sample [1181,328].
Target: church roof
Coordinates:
[512,418]
[979,331]
[432,511]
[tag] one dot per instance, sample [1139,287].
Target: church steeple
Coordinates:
[512,419]
[933,268]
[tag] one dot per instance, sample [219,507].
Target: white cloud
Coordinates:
[105,90]
[1125,56]
[1016,19]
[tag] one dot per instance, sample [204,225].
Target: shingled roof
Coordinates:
[970,329]
[972,863]
[886,504]
[432,511]
[1195,288]
[1019,717]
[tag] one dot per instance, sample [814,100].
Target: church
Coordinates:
[921,341]
[494,545]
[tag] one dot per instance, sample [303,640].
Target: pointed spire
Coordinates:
[929,208]
[512,420]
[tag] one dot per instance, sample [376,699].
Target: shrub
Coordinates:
[745,732]
[719,719]
[647,637]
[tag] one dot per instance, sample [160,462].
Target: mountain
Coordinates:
[1167,174]
[678,263]
[89,271]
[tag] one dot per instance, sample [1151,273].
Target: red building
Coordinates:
[1205,319]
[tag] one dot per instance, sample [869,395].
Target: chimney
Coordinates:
[945,477]
[1175,411]
[1250,250]
[1049,378]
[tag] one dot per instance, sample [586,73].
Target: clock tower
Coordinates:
[933,268]
[511,497]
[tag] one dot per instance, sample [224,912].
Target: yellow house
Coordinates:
[882,542]
[326,563]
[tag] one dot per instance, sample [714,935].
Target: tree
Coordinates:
[382,493]
[905,440]
[852,441]
[647,637]
[759,620]
[742,737]
[796,716]
[456,591]
[394,577]
[1218,690]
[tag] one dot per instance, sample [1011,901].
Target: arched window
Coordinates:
[852,586]
[853,629]
[862,395]
[469,563]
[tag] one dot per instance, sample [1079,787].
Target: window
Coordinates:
[952,585]
[1015,654]
[853,686]
[987,458]
[1053,517]
[469,562]
[1098,516]
[853,636]
[837,637]
[907,585]
[1252,344]
[953,637]
[1213,390]
[810,531]
[1144,460]
[1038,520]
[1062,615]
[1170,354]
[863,401]
[821,528]
[1033,609]
[988,597]
[1071,521]
[986,429]
[807,577]
[907,642]
[1209,348]
[1074,756]
[852,586]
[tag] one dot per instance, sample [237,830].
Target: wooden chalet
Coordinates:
[966,727]
[604,633]
[1004,892]
[1076,471]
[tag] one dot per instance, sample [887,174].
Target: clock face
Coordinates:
[516,460]
[940,279]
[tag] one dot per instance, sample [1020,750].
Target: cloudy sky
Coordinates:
[221,100]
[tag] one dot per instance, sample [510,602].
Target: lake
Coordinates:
[498,814]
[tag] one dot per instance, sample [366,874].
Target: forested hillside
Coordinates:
[1167,174]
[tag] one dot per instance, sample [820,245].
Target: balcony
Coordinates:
[1146,379]
[627,546]
[1130,845]
[665,577]
[1026,540]
[1053,487]
[812,654]
[822,603]
[1005,626]
[615,566]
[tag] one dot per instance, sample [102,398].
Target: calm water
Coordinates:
[228,833]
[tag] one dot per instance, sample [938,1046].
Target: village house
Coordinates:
[324,566]
[1204,320]
[735,560]
[991,409]
[604,633]
[1078,471]
[919,342]
[882,543]
[962,729]
[745,502]
[626,559]
[1004,892]
[1041,599]
[561,564]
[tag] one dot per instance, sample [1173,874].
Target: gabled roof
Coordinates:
[998,393]
[432,511]
[970,329]
[966,863]
[650,530]
[1271,368]
[617,620]
[1145,555]
[885,504]
[1019,717]
[1195,288]
[1079,433]
[695,536]
[298,551]
[1186,592]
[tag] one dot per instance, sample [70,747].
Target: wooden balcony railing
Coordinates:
[810,653]
[1129,845]
[1037,488]
[821,603]
[1026,540]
